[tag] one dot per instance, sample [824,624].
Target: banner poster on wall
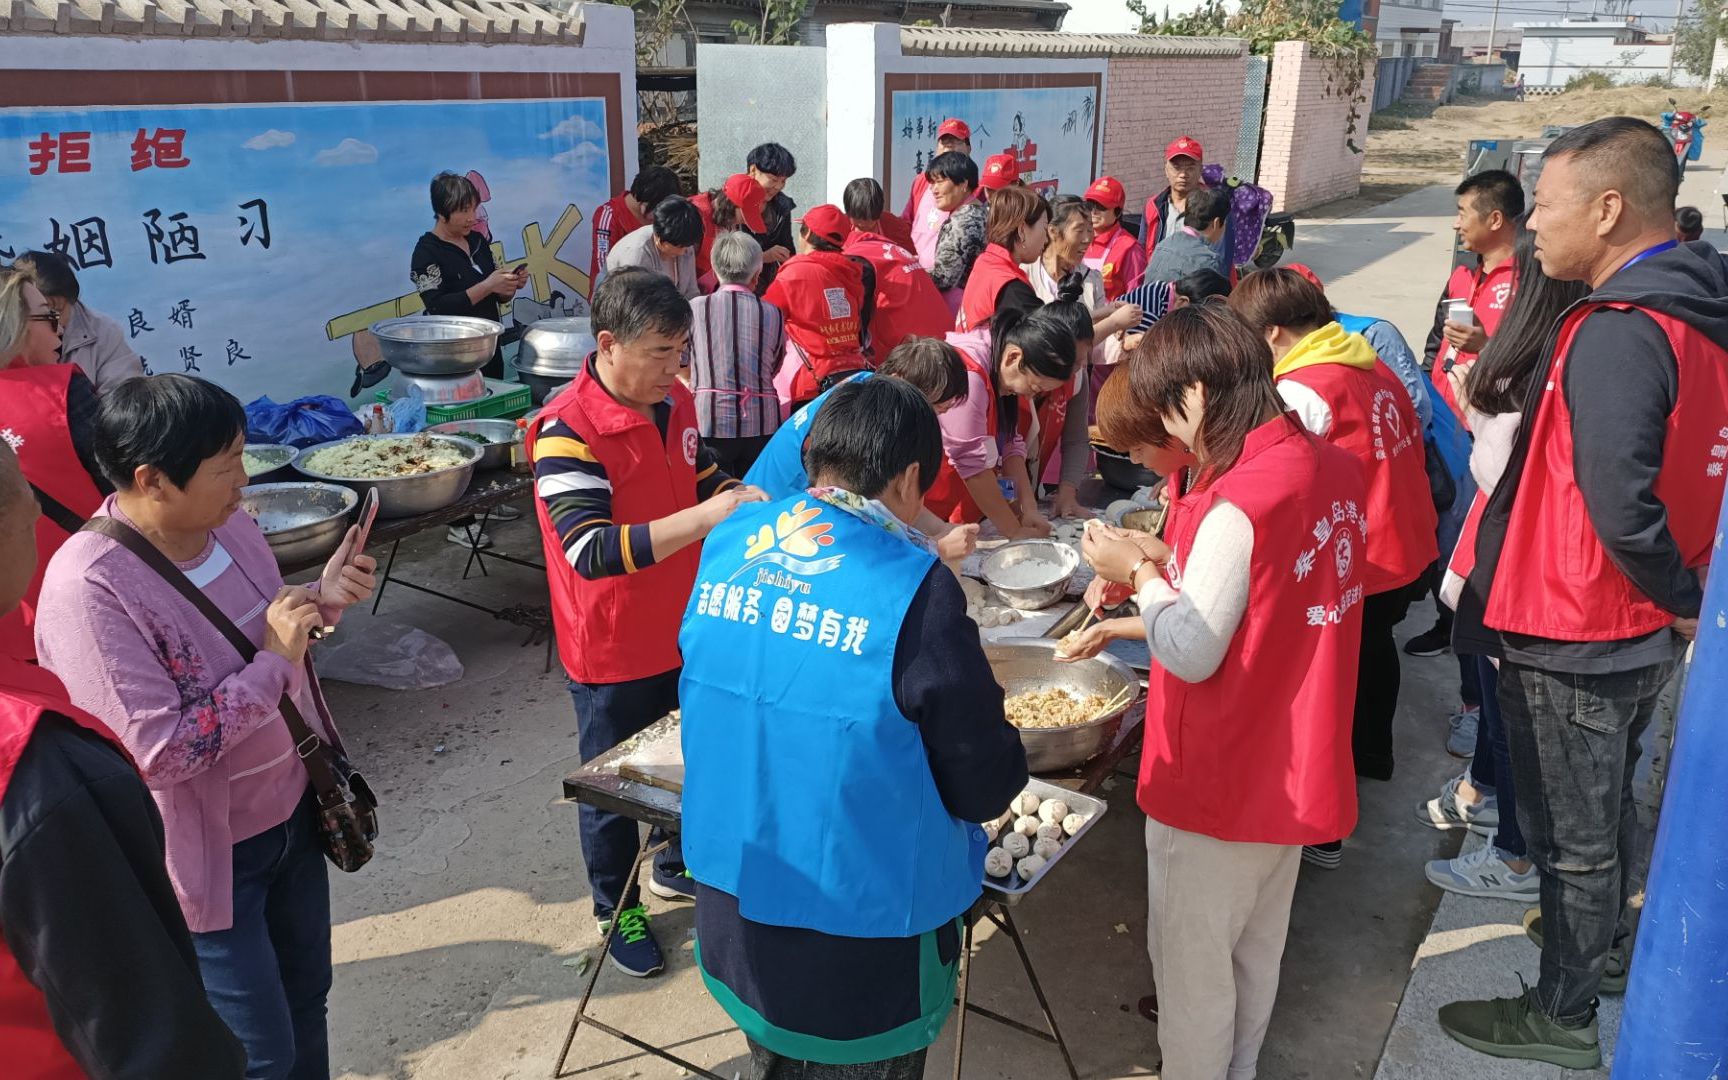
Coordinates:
[249,244]
[1052,131]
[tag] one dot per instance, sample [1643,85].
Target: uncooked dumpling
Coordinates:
[1016,845]
[1028,866]
[1027,826]
[1026,803]
[1046,849]
[991,830]
[1050,831]
[998,863]
[1073,823]
[1052,810]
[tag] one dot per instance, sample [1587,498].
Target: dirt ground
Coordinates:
[1410,146]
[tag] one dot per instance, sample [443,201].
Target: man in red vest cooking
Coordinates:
[1114,253]
[1590,557]
[87,915]
[625,493]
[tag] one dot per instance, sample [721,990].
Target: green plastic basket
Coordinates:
[507,401]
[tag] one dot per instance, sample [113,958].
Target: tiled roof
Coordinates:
[934,41]
[423,21]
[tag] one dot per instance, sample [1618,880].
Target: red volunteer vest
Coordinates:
[1555,580]
[908,303]
[33,411]
[1372,417]
[1153,214]
[948,497]
[1108,254]
[1260,752]
[821,293]
[704,248]
[32,1048]
[625,627]
[899,231]
[1052,414]
[1489,295]
[994,269]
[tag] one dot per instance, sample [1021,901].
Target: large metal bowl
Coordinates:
[437,344]
[303,522]
[273,462]
[405,496]
[1026,664]
[494,454]
[1120,472]
[1063,561]
[556,348]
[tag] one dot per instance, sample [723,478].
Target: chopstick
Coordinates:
[1123,698]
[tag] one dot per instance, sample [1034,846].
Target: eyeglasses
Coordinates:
[51,317]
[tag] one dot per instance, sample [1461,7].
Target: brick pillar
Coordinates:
[1305,159]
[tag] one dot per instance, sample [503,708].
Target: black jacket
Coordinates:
[777,214]
[89,915]
[1621,381]
[442,276]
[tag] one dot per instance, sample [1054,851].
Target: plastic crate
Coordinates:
[506,401]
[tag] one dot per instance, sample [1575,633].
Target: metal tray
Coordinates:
[1088,805]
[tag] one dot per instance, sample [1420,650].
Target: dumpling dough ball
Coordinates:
[1016,845]
[998,863]
[1028,866]
[1050,831]
[991,830]
[1046,849]
[1027,826]
[1026,803]
[1073,823]
[1052,810]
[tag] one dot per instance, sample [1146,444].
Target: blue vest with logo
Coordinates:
[807,792]
[779,469]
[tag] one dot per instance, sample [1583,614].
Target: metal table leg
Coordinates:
[999,914]
[960,1018]
[1004,918]
[642,852]
[383,582]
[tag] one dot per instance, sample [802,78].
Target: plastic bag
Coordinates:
[388,654]
[407,414]
[302,422]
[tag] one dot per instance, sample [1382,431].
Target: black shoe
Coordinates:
[1434,641]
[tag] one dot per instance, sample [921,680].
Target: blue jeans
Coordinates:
[268,975]
[606,715]
[1491,768]
[1574,741]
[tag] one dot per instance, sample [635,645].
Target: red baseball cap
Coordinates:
[1302,268]
[749,197]
[1184,147]
[1107,192]
[828,222]
[1000,170]
[955,127]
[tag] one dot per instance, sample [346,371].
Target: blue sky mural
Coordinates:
[263,230]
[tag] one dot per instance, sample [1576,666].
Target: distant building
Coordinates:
[1473,47]
[1627,52]
[1409,28]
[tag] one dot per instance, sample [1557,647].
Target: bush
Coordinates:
[1590,80]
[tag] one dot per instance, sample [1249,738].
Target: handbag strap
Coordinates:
[307,744]
[56,511]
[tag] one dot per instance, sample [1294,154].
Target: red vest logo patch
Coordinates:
[691,442]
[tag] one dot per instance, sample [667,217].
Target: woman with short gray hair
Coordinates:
[737,341]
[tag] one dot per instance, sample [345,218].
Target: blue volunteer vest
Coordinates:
[807,792]
[779,469]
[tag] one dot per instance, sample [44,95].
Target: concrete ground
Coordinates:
[459,949]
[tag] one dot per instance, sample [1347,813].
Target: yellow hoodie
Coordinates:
[1330,344]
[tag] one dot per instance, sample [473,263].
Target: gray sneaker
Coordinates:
[1448,811]
[1461,732]
[1484,872]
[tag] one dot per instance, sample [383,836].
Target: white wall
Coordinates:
[1553,61]
[860,54]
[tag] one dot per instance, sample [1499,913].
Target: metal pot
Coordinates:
[1025,664]
[303,522]
[405,496]
[270,462]
[437,344]
[495,453]
[555,347]
[541,387]
[1062,560]
[440,389]
[1120,472]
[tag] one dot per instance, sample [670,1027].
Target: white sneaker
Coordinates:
[506,512]
[1484,873]
[1448,811]
[468,536]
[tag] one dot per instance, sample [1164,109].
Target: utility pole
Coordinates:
[1493,27]
[1674,37]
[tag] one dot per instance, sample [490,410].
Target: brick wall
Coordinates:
[1150,100]
[1304,160]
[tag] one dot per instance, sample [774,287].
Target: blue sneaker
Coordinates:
[675,887]
[634,950]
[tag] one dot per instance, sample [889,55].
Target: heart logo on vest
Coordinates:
[1343,554]
[691,441]
[12,439]
[1394,422]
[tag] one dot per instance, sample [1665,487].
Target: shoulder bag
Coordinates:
[347,809]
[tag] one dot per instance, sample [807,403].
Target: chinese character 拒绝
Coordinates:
[165,149]
[68,152]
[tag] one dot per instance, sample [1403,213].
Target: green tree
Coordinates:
[656,23]
[1696,34]
[777,26]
